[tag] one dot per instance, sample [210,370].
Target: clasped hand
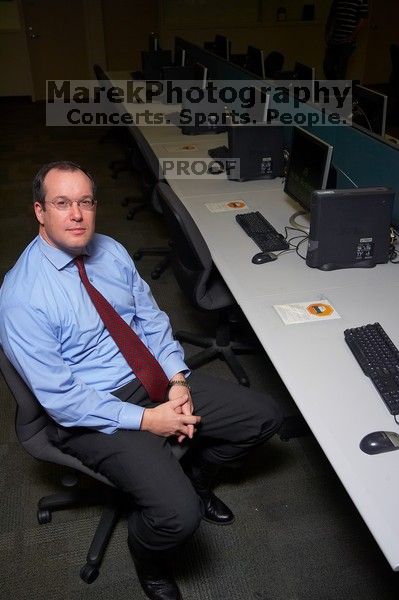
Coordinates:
[173,417]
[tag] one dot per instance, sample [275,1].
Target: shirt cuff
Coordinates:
[173,365]
[130,416]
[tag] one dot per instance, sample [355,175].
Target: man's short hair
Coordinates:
[39,193]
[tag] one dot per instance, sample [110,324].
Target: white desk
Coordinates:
[232,249]
[337,400]
[339,403]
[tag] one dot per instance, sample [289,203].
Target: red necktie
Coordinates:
[146,368]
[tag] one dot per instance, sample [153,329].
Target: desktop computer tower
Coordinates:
[202,117]
[349,228]
[260,150]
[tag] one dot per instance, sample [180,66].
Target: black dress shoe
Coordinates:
[216,511]
[156,582]
[202,475]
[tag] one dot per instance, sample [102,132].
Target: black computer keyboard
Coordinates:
[219,152]
[379,358]
[262,232]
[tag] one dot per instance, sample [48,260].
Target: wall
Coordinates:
[14,57]
[252,21]
[126,29]
[94,33]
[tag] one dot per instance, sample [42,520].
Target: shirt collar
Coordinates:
[58,258]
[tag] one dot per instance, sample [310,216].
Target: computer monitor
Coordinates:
[308,166]
[189,75]
[182,79]
[259,112]
[153,62]
[200,75]
[180,57]
[255,61]
[221,46]
[304,73]
[153,42]
[369,109]
[201,117]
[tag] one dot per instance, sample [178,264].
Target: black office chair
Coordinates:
[31,426]
[200,281]
[115,133]
[150,176]
[273,63]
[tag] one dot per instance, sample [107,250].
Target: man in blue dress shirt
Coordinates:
[55,338]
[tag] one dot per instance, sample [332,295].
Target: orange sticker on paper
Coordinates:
[236,204]
[320,310]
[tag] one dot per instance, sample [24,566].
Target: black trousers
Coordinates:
[336,60]
[165,507]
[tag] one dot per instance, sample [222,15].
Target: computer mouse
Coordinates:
[263,257]
[379,441]
[215,168]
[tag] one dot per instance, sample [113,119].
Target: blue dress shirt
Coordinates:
[53,335]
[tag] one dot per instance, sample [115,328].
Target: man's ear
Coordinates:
[38,208]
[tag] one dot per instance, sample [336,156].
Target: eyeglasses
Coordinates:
[63,204]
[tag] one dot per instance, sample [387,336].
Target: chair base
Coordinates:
[212,350]
[162,265]
[140,205]
[118,166]
[132,200]
[293,426]
[111,512]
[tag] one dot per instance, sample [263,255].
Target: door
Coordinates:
[57,41]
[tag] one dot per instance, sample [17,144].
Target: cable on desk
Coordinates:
[294,246]
[299,244]
[303,237]
[393,251]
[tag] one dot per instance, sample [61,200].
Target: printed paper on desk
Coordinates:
[223,206]
[304,312]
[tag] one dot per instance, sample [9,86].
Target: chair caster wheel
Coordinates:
[155,275]
[137,255]
[43,516]
[243,381]
[89,573]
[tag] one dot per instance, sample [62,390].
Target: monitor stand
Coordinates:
[300,220]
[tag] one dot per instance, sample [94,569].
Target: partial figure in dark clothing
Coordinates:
[345,20]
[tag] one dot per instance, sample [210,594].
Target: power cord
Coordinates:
[303,238]
[393,254]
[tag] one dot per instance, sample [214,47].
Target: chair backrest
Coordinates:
[149,157]
[274,63]
[100,73]
[31,422]
[149,166]
[192,262]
